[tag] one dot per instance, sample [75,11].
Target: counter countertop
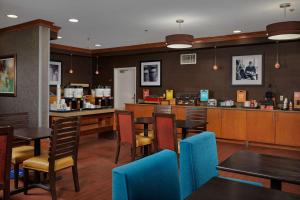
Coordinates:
[227,108]
[80,112]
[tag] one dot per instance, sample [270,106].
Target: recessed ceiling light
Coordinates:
[97,45]
[12,16]
[59,37]
[73,20]
[237,31]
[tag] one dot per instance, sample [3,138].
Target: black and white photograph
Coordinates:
[151,73]
[55,73]
[247,70]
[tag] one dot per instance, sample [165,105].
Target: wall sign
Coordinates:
[247,70]
[8,73]
[54,73]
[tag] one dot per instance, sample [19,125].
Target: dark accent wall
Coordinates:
[192,78]
[82,66]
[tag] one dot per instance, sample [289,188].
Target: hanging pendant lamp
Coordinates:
[289,30]
[277,64]
[97,68]
[179,41]
[215,66]
[71,71]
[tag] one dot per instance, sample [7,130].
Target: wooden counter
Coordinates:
[91,121]
[271,127]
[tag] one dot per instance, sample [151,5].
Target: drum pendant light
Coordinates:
[215,67]
[71,71]
[277,64]
[97,67]
[179,41]
[289,30]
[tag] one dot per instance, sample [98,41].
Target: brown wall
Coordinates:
[82,66]
[191,78]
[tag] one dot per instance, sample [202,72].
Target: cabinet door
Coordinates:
[179,112]
[288,129]
[214,121]
[233,124]
[261,126]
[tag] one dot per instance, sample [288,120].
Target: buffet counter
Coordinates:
[266,127]
[92,121]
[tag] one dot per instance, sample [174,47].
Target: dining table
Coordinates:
[35,134]
[223,189]
[277,169]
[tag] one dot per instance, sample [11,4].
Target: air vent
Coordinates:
[188,59]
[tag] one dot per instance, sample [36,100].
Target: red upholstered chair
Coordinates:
[165,132]
[126,134]
[6,137]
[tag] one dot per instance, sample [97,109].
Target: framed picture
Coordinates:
[54,73]
[151,73]
[247,70]
[8,74]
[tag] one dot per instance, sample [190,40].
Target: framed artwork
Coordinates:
[54,73]
[247,70]
[151,73]
[8,74]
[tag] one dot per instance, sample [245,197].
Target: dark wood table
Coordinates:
[185,125]
[277,169]
[33,134]
[145,121]
[222,189]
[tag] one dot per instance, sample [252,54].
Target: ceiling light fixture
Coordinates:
[215,67]
[73,20]
[289,30]
[97,67]
[71,71]
[277,64]
[179,41]
[12,16]
[98,45]
[59,37]
[237,31]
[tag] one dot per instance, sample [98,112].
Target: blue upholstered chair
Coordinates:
[198,162]
[153,177]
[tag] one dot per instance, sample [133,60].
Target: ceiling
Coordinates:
[114,23]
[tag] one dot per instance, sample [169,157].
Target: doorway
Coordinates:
[124,86]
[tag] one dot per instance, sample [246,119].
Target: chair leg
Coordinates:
[133,149]
[26,180]
[117,153]
[75,178]
[16,175]
[6,192]
[52,180]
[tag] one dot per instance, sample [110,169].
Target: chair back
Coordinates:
[16,120]
[198,161]
[6,137]
[125,127]
[152,177]
[197,114]
[165,132]
[64,140]
[167,109]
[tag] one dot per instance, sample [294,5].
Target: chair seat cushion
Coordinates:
[150,134]
[142,141]
[21,153]
[40,163]
[242,181]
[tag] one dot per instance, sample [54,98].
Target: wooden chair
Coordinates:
[126,134]
[167,109]
[22,149]
[6,137]
[63,153]
[165,135]
[197,114]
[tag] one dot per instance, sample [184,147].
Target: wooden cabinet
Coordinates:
[214,121]
[288,129]
[233,124]
[141,110]
[261,126]
[179,112]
